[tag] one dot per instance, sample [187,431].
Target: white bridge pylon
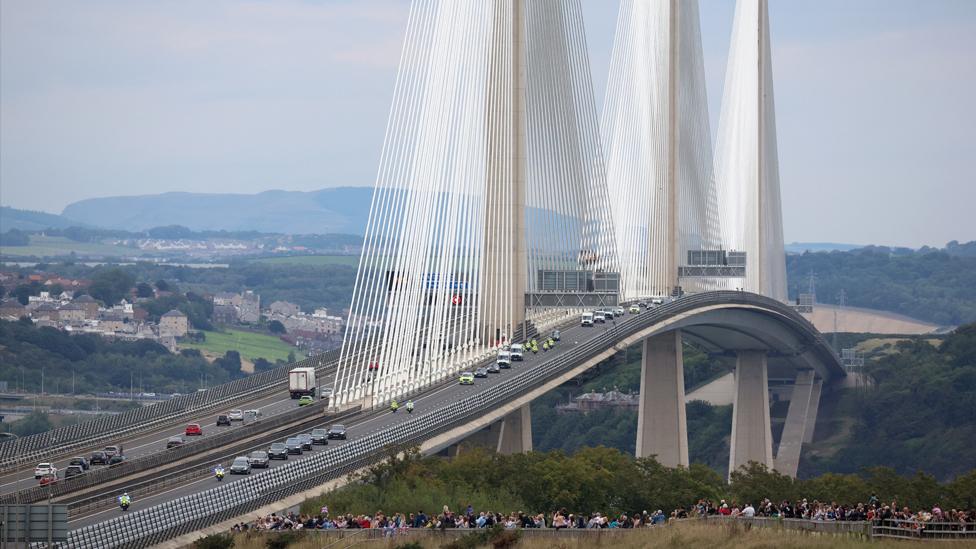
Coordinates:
[491,171]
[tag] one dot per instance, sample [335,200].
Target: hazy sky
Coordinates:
[875,103]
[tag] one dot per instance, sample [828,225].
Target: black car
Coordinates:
[117,459]
[79,461]
[241,466]
[98,458]
[337,432]
[73,471]
[306,441]
[481,372]
[294,446]
[556,336]
[320,436]
[259,459]
[174,442]
[278,451]
[223,420]
[493,368]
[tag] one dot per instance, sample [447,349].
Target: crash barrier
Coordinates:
[106,475]
[64,440]
[197,511]
[919,529]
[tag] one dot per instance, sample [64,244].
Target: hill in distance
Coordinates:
[334,210]
[28,220]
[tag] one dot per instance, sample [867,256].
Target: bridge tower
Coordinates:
[491,175]
[746,160]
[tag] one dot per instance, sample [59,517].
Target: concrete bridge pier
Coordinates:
[510,435]
[662,429]
[794,430]
[812,411]
[752,438]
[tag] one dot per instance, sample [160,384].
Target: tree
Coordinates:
[162,285]
[230,362]
[276,327]
[14,237]
[144,290]
[111,285]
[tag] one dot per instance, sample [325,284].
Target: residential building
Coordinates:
[11,309]
[173,323]
[72,313]
[89,304]
[284,308]
[45,311]
[250,308]
[224,314]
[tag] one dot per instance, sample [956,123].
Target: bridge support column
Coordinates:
[662,429]
[788,454]
[812,411]
[515,434]
[752,438]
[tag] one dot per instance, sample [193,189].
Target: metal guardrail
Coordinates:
[197,511]
[859,528]
[64,440]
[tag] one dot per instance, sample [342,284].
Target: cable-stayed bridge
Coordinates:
[504,210]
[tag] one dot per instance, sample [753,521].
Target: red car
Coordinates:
[193,429]
[48,479]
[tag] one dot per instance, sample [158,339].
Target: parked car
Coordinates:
[174,442]
[306,400]
[278,451]
[194,430]
[337,432]
[80,461]
[98,457]
[223,420]
[236,415]
[294,446]
[259,459]
[467,378]
[320,436]
[44,469]
[241,466]
[481,372]
[306,441]
[73,471]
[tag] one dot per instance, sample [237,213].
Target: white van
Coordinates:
[504,359]
[657,301]
[587,319]
[516,351]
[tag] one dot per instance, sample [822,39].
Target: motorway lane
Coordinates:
[154,442]
[365,423]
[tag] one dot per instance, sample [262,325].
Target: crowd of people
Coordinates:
[874,511]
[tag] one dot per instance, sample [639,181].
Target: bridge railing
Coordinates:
[61,441]
[197,511]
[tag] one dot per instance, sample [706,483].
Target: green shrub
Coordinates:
[215,541]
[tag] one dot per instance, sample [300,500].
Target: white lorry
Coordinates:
[301,382]
[587,319]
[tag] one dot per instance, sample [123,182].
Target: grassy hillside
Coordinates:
[57,246]
[250,345]
[311,260]
[28,220]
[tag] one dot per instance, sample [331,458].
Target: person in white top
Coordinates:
[749,511]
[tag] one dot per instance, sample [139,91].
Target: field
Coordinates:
[250,345]
[51,246]
[312,260]
[688,534]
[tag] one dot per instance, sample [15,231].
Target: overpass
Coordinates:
[776,341]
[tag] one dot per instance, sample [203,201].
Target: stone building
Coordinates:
[174,324]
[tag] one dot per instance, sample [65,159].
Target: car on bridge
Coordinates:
[619,311]
[306,439]
[320,436]
[657,301]
[556,335]
[236,415]
[504,359]
[241,466]
[112,450]
[223,420]
[44,469]
[80,461]
[174,442]
[48,479]
[337,432]
[98,457]
[116,460]
[326,392]
[634,309]
[481,372]
[259,459]
[194,430]
[294,446]
[516,351]
[306,400]
[586,320]
[600,317]
[73,471]
[278,450]
[467,378]
[493,368]
[252,415]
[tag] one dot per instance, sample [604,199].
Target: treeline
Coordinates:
[934,285]
[609,481]
[920,414]
[96,364]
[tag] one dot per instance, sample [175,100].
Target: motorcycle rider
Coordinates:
[409,406]
[219,472]
[125,501]
[394,406]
